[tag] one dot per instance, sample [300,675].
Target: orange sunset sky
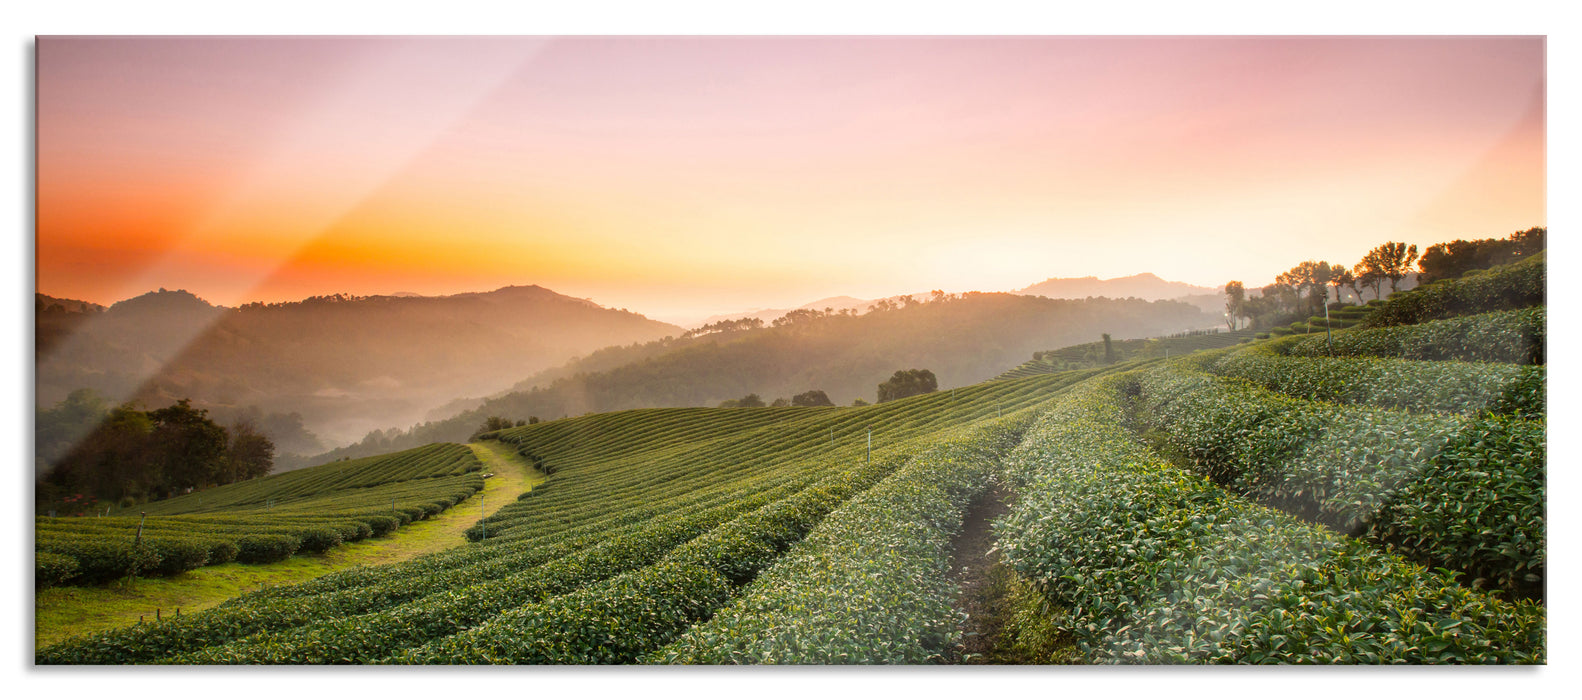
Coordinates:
[686,176]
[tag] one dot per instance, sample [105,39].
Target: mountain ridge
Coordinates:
[346,363]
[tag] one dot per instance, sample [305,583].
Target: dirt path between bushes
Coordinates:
[971,568]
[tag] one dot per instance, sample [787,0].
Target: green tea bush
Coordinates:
[101,561]
[222,552]
[1152,564]
[612,622]
[319,540]
[1515,286]
[262,549]
[1478,507]
[381,525]
[369,637]
[1342,467]
[1464,388]
[1502,336]
[52,569]
[551,632]
[869,584]
[178,555]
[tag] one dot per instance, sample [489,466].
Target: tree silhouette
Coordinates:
[815,397]
[1235,298]
[909,382]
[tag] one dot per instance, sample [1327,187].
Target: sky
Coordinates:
[682,177]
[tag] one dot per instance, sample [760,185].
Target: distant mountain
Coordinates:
[43,302]
[836,304]
[1146,286]
[840,303]
[1142,286]
[963,339]
[347,365]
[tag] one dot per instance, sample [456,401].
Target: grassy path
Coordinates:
[68,611]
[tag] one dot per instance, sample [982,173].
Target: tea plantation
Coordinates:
[258,521]
[1375,499]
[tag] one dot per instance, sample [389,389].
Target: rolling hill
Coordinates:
[345,364]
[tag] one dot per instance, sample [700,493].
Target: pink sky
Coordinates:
[681,177]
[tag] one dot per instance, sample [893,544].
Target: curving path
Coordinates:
[69,611]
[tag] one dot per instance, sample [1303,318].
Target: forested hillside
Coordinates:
[344,364]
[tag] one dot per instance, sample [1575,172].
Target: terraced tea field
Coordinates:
[636,499]
[259,521]
[1092,354]
[1266,502]
[65,611]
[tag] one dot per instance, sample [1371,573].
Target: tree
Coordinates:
[1369,274]
[815,397]
[1309,280]
[189,448]
[1109,351]
[249,455]
[780,403]
[1235,298]
[748,401]
[1342,277]
[490,424]
[57,430]
[909,382]
[1390,261]
[1339,277]
[112,462]
[1399,259]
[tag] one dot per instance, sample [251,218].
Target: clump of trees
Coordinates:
[907,382]
[815,397]
[748,401]
[493,423]
[739,324]
[133,455]
[1443,261]
[1303,290]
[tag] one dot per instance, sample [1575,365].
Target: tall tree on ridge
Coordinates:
[1235,299]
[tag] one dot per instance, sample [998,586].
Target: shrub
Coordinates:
[1502,336]
[178,555]
[606,623]
[1155,565]
[102,560]
[1464,388]
[1479,507]
[52,569]
[381,525]
[263,549]
[1514,286]
[869,584]
[318,540]
[1468,493]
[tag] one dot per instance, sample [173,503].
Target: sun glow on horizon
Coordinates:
[673,175]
